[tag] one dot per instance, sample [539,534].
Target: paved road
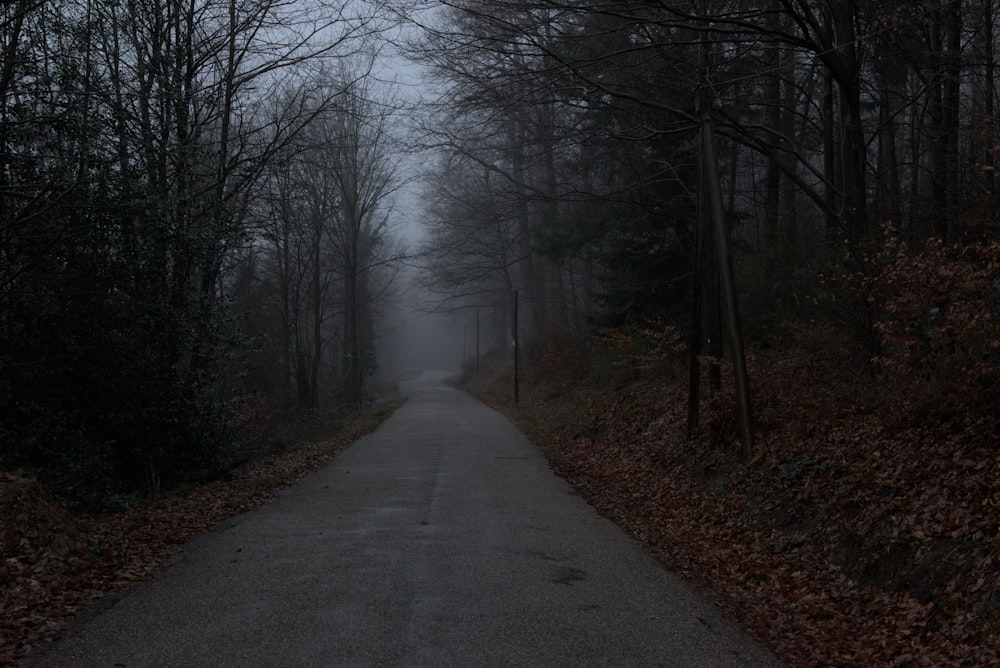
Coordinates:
[440,540]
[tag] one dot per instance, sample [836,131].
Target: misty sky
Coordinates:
[412,337]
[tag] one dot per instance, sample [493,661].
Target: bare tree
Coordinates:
[364,166]
[333,254]
[131,139]
[472,250]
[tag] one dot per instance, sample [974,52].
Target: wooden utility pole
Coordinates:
[697,310]
[727,283]
[717,276]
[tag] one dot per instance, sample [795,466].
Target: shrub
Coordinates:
[643,350]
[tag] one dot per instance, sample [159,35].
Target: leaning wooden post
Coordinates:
[694,368]
[729,303]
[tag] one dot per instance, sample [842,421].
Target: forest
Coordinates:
[855,171]
[762,237]
[195,231]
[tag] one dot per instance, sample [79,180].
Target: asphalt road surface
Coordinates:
[443,539]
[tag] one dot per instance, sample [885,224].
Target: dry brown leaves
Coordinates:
[847,540]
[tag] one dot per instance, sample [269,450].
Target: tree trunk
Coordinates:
[788,213]
[990,160]
[317,329]
[944,171]
[855,212]
[532,278]
[772,199]
[831,181]
[889,185]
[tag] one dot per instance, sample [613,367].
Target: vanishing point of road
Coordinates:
[442,539]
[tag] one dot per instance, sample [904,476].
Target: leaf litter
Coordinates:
[852,536]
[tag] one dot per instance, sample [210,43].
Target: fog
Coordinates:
[411,336]
[414,339]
